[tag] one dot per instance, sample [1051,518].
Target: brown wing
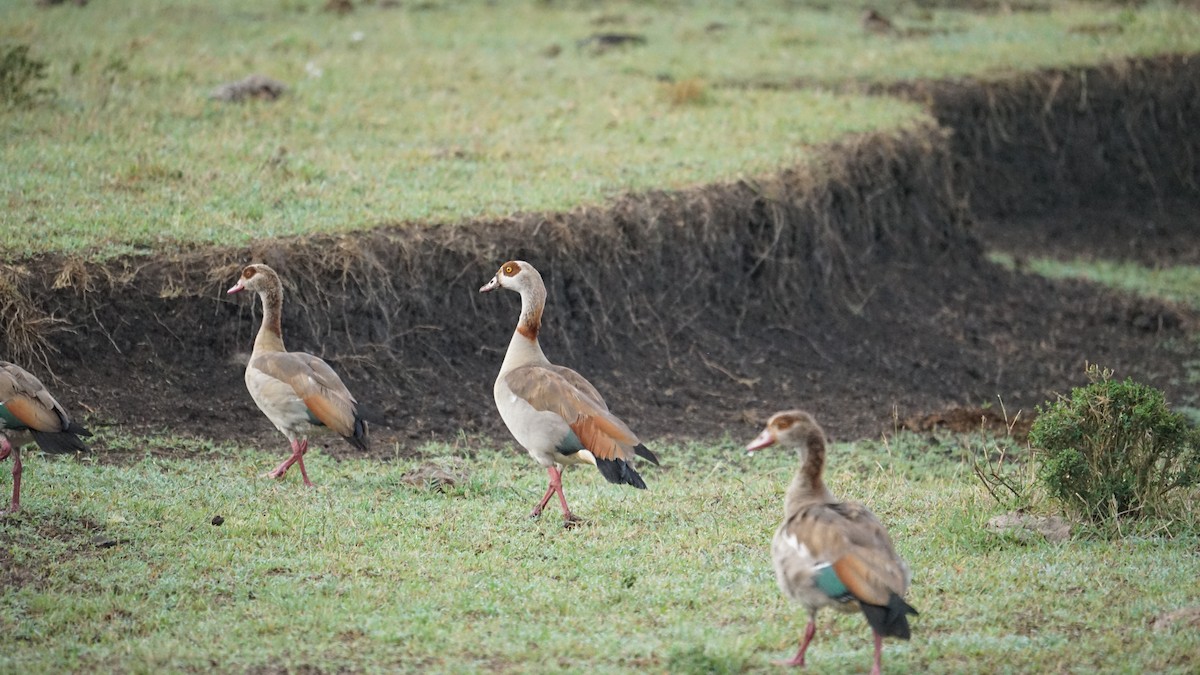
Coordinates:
[29,402]
[315,383]
[582,385]
[853,541]
[565,393]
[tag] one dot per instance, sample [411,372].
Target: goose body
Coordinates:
[552,411]
[28,412]
[298,392]
[830,553]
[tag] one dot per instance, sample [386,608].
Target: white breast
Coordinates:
[278,401]
[538,431]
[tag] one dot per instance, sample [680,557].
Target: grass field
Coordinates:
[369,574]
[1177,284]
[438,112]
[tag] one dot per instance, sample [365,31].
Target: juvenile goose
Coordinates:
[832,553]
[553,412]
[28,412]
[295,390]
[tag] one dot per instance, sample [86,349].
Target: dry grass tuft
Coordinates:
[692,91]
[24,329]
[75,275]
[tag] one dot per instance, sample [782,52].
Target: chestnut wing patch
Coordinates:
[565,393]
[328,400]
[28,403]
[848,541]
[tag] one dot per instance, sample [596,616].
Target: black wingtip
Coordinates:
[892,620]
[644,452]
[621,472]
[60,441]
[78,429]
[359,439]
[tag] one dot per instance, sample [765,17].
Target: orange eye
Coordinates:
[510,270]
[248,272]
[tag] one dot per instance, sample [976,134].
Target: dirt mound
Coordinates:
[855,287]
[972,420]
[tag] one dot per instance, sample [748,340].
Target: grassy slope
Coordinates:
[456,112]
[1177,284]
[367,573]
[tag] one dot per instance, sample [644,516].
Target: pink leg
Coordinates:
[16,497]
[569,519]
[809,632]
[555,487]
[298,449]
[300,461]
[877,668]
[537,510]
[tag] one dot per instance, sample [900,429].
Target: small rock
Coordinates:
[251,86]
[103,541]
[444,473]
[1189,616]
[1028,527]
[218,521]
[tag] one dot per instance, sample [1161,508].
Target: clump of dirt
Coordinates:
[250,87]
[973,420]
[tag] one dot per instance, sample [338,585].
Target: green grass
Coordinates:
[449,111]
[366,573]
[1177,284]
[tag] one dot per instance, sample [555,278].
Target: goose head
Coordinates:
[515,275]
[258,278]
[790,429]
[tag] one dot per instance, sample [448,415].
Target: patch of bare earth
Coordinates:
[855,286]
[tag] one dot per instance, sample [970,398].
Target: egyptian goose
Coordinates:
[832,553]
[28,412]
[295,390]
[553,412]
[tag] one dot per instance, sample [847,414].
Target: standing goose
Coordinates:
[295,390]
[28,412]
[553,412]
[829,552]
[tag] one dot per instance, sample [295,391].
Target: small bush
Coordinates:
[20,75]
[1114,450]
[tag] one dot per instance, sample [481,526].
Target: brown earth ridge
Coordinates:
[854,286]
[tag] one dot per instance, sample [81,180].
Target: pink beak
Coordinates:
[764,440]
[237,288]
[491,285]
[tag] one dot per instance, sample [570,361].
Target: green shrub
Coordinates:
[20,75]
[1114,450]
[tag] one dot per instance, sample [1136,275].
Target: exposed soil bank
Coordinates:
[856,287]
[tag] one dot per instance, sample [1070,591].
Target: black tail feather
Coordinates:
[62,441]
[644,452]
[619,471]
[890,621]
[359,439]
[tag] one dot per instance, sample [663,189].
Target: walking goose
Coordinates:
[553,412]
[28,412]
[295,390]
[832,553]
